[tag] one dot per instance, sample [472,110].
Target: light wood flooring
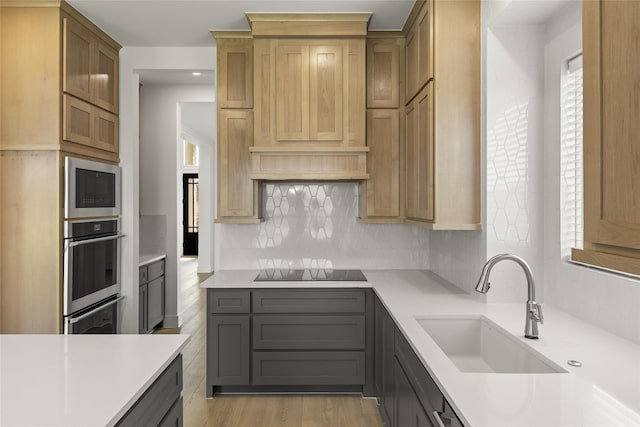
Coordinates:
[251,411]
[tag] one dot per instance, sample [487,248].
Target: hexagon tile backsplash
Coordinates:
[315,225]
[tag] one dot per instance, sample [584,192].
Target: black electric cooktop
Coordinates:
[310,275]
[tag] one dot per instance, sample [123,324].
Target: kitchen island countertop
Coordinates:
[605,391]
[78,380]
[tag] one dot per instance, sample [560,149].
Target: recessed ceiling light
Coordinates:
[195,73]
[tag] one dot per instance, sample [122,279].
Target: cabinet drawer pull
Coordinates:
[436,415]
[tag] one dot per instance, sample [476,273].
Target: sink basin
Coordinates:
[476,344]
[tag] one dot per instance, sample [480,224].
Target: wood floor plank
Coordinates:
[255,410]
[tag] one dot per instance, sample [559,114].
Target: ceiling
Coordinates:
[188,22]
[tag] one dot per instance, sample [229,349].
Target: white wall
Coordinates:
[132,60]
[606,300]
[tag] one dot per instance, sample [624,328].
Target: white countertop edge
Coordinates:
[79,380]
[132,401]
[146,259]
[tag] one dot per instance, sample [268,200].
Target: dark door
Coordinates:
[191,213]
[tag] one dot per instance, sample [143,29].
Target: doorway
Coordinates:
[191,214]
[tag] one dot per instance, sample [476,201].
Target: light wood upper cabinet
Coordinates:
[382,190]
[292,92]
[104,77]
[237,195]
[442,169]
[383,72]
[419,156]
[235,70]
[312,91]
[611,135]
[382,195]
[90,66]
[89,125]
[77,60]
[326,119]
[419,50]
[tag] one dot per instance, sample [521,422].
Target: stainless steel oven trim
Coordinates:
[73,320]
[70,211]
[70,306]
[99,239]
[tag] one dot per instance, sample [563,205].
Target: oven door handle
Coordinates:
[99,239]
[73,320]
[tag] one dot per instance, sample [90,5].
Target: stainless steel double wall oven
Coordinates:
[91,247]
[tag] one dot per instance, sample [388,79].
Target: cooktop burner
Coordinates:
[310,275]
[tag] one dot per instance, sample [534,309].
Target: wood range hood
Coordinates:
[309,88]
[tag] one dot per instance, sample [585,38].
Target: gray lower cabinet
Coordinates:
[228,348]
[385,353]
[152,286]
[408,395]
[161,403]
[409,410]
[295,339]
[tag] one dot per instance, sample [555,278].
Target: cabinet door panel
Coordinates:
[143,327]
[78,121]
[77,59]
[412,157]
[228,348]
[105,135]
[155,302]
[292,89]
[311,301]
[388,376]
[104,77]
[228,301]
[158,400]
[325,93]
[236,190]
[305,332]
[383,74]
[419,157]
[612,170]
[425,154]
[308,368]
[235,73]
[383,186]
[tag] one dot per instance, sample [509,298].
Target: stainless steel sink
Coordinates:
[476,344]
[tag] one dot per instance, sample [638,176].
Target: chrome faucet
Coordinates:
[534,310]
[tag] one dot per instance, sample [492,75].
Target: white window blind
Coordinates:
[571,175]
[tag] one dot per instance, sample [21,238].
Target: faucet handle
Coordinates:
[535,311]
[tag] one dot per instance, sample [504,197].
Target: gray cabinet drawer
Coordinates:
[308,301]
[174,416]
[229,301]
[158,400]
[299,332]
[143,275]
[308,368]
[426,389]
[155,270]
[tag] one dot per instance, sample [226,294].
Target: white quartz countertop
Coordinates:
[78,380]
[604,392]
[149,258]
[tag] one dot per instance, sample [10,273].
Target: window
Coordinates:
[571,173]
